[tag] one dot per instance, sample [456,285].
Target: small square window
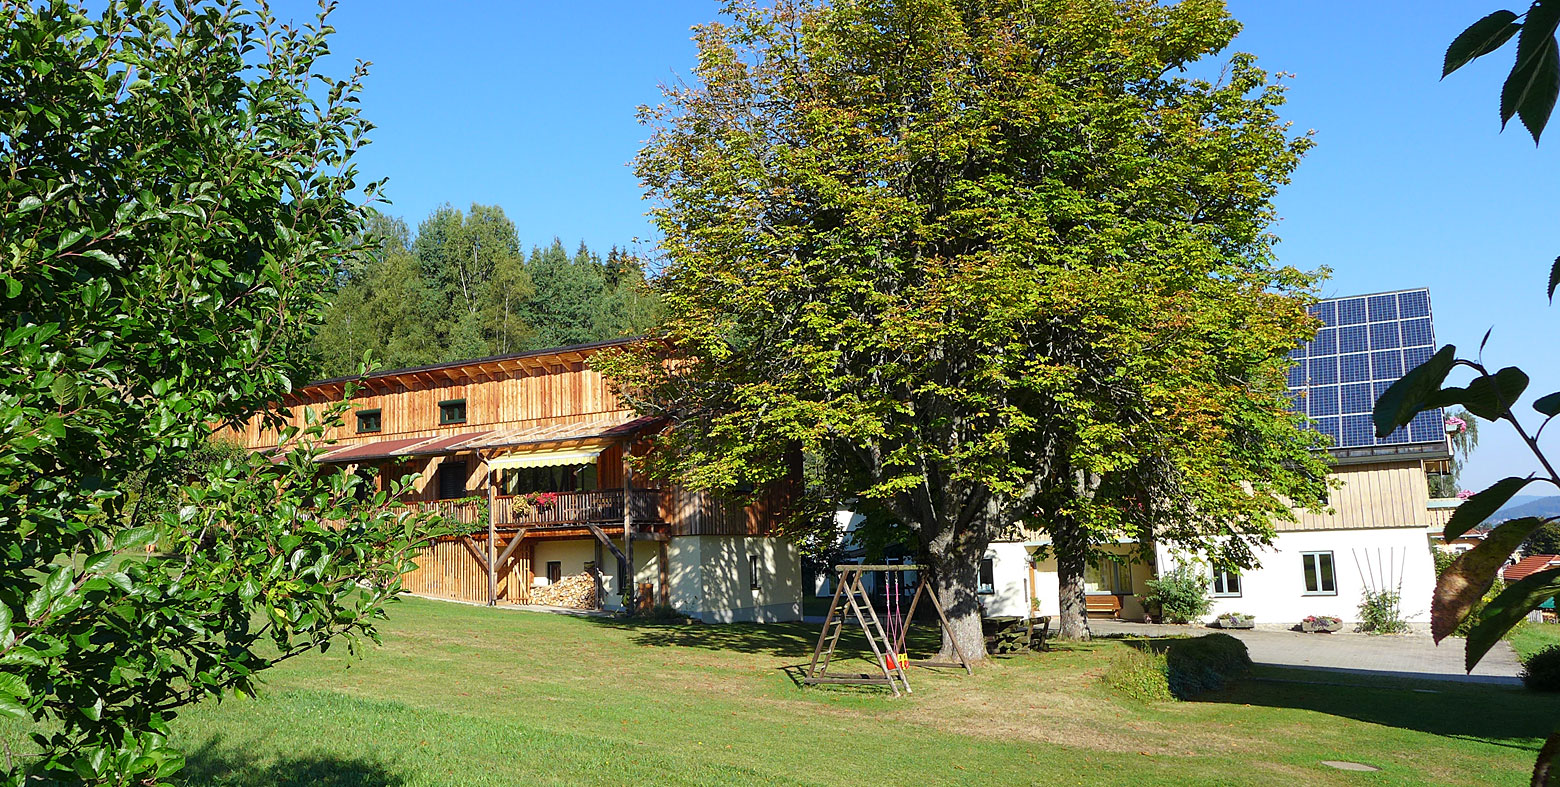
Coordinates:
[452,411]
[1319,579]
[554,571]
[988,577]
[753,571]
[368,421]
[1226,584]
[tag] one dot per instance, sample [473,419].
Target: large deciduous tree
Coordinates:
[177,197]
[989,263]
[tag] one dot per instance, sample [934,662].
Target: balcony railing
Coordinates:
[604,507]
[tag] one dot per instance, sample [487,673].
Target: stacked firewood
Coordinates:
[573,592]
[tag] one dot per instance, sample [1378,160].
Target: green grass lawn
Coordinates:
[1529,638]
[467,695]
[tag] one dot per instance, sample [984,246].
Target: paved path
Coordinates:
[1406,655]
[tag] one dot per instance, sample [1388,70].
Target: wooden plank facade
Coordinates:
[1383,494]
[545,409]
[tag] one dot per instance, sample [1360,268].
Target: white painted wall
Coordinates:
[1010,581]
[711,578]
[1275,591]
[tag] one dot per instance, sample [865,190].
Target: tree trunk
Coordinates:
[1072,554]
[956,578]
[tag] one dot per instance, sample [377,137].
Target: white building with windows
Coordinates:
[1376,531]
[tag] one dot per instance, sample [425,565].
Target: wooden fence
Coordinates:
[447,569]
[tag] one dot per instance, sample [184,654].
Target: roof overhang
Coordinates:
[403,447]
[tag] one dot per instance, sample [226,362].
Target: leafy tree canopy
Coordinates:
[991,262]
[462,288]
[178,197]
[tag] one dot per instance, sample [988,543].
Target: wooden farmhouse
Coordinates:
[529,450]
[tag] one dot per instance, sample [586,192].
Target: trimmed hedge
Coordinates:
[1156,670]
[1541,671]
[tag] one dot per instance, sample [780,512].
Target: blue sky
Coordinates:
[531,106]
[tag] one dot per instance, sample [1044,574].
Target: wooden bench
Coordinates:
[1102,606]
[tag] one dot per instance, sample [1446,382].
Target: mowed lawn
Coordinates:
[467,695]
[1530,638]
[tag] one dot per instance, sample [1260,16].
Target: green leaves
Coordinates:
[1531,88]
[1534,82]
[1488,396]
[145,302]
[1548,404]
[1532,85]
[1412,392]
[135,538]
[1465,581]
[1481,38]
[1478,508]
[1507,609]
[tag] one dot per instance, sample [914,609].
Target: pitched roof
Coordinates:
[1532,564]
[542,353]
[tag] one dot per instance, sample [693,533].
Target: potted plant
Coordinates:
[1237,620]
[1321,624]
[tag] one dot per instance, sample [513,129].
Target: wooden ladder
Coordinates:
[851,599]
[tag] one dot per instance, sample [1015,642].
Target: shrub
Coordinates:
[1205,663]
[1141,675]
[1181,594]
[1178,668]
[1380,613]
[1541,671]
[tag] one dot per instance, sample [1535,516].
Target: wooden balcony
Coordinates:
[601,507]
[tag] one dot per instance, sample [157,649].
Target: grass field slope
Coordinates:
[467,695]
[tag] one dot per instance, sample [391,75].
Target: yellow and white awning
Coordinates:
[560,457]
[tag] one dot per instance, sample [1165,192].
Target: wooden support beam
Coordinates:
[628,525]
[476,554]
[601,536]
[513,542]
[663,566]
[492,541]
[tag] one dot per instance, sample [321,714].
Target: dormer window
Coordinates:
[452,411]
[367,421]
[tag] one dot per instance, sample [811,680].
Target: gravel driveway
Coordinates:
[1405,655]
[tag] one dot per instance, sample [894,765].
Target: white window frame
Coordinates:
[1219,574]
[1332,571]
[1114,579]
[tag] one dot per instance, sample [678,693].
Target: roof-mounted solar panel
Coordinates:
[1365,344]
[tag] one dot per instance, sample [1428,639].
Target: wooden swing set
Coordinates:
[887,643]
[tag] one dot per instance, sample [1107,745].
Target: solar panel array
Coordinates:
[1365,344]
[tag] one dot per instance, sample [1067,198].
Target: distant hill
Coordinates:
[1528,505]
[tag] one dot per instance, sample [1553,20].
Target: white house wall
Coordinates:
[1372,557]
[1010,581]
[711,579]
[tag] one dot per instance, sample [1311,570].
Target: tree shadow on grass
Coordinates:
[784,640]
[1489,713]
[214,765]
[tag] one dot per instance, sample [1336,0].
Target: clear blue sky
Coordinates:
[531,106]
